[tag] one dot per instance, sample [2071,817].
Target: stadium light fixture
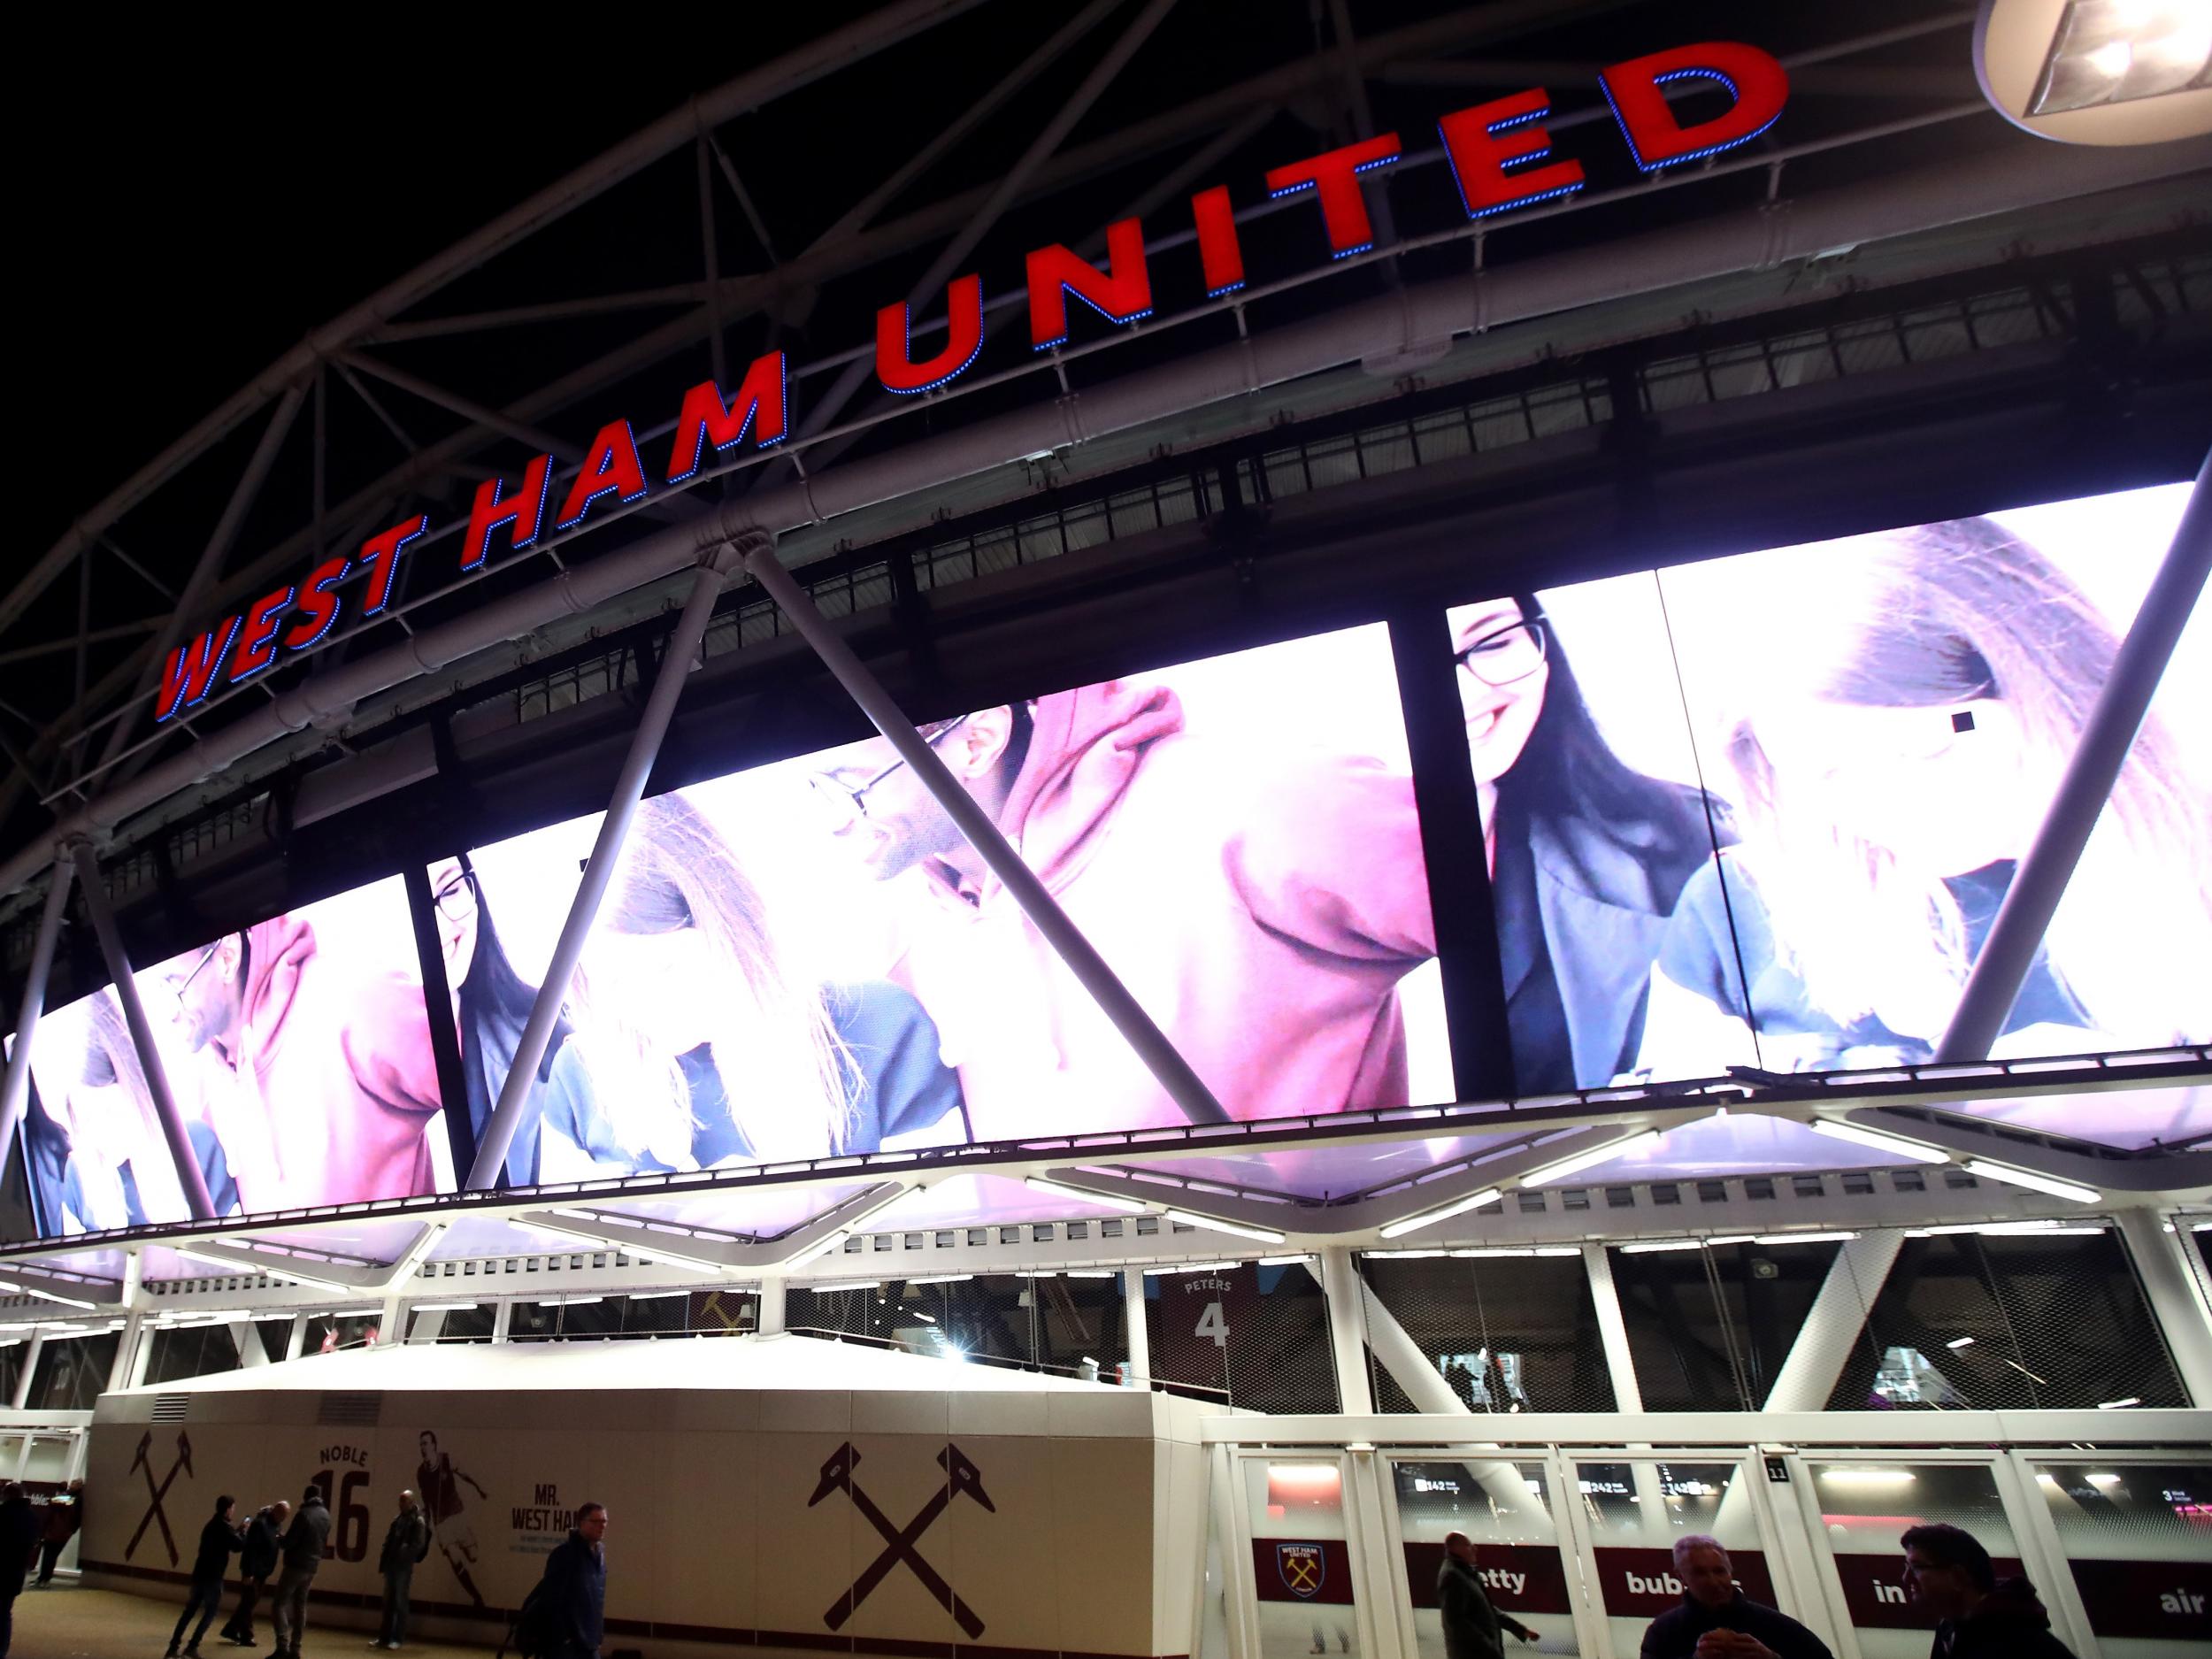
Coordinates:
[291,1276]
[47,1295]
[2117,51]
[1192,1219]
[1076,1195]
[1430,1217]
[1895,1146]
[1574,1163]
[2034,1182]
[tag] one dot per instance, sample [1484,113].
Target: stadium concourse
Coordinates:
[1512,844]
[69,1621]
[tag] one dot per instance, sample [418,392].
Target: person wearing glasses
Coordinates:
[1260,902]
[317,1078]
[693,1045]
[491,1004]
[1587,855]
[1904,721]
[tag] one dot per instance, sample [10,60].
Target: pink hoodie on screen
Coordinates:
[1262,909]
[335,1083]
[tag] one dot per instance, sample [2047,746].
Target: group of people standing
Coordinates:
[1947,1571]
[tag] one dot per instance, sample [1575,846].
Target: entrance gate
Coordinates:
[1328,1532]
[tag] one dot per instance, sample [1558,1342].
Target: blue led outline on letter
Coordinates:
[1506,167]
[584,507]
[1734,92]
[906,333]
[391,568]
[274,611]
[212,667]
[1061,339]
[327,588]
[1364,166]
[699,437]
[513,512]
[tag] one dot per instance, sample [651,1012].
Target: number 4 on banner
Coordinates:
[1211,1324]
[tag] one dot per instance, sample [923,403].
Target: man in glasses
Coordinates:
[1262,907]
[320,1079]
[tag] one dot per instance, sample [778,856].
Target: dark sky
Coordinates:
[199,206]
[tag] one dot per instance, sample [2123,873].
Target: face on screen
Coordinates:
[883,814]
[1501,680]
[453,897]
[203,988]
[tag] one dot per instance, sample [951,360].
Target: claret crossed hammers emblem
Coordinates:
[155,1515]
[962,1478]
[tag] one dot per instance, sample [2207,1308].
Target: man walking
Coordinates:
[257,1560]
[1949,1573]
[19,1533]
[567,1611]
[64,1515]
[219,1542]
[406,1541]
[1473,1629]
[302,1552]
[1718,1621]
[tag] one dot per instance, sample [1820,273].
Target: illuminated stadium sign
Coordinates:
[1501,159]
[1757,809]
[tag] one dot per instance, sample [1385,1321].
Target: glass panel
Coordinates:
[1505,1510]
[191,1351]
[2138,1539]
[1635,1510]
[1302,1563]
[71,1372]
[1865,1507]
[1519,1334]
[326,1334]
[1713,1326]
[1254,1337]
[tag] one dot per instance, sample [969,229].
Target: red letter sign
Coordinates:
[1759,85]
[1219,253]
[493,510]
[256,648]
[1334,177]
[706,419]
[190,670]
[1121,294]
[1482,143]
[380,552]
[319,604]
[610,468]
[894,362]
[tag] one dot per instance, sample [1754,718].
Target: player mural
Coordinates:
[438,1483]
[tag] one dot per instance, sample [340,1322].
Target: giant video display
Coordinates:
[806,958]
[1761,810]
[297,1051]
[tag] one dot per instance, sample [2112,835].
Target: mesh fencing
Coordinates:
[1973,1322]
[1255,1337]
[1516,1334]
[1709,1328]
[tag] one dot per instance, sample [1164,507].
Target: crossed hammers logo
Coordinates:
[961,1477]
[155,1515]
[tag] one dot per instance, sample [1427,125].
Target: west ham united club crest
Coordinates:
[1303,1567]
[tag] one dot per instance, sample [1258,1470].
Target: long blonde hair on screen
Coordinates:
[787,1078]
[1940,615]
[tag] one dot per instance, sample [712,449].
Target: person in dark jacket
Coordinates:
[1473,1629]
[1587,855]
[63,1519]
[1977,1616]
[257,1560]
[302,1552]
[219,1542]
[573,1591]
[1711,1601]
[406,1541]
[18,1534]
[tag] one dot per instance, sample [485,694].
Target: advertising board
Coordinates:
[1761,810]
[299,1053]
[806,958]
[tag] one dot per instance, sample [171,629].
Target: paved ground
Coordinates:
[68,1623]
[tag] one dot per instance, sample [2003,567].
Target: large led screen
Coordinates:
[297,1051]
[806,958]
[1761,810]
